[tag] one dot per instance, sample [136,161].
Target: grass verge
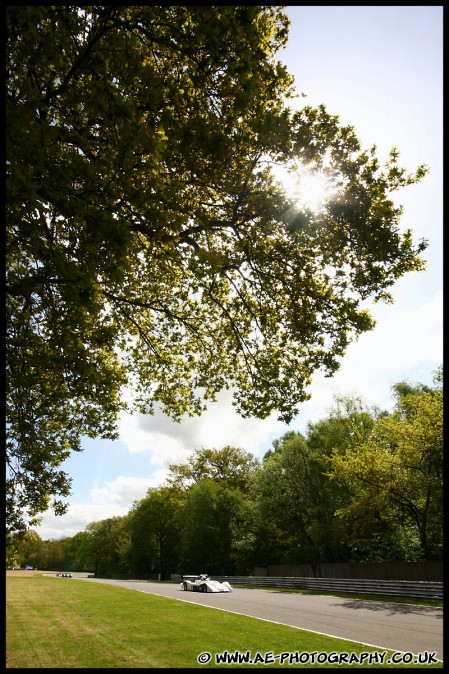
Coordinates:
[52,623]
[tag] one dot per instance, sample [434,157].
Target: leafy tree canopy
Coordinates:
[396,474]
[207,533]
[232,466]
[149,243]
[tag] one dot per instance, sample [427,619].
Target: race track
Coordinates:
[403,628]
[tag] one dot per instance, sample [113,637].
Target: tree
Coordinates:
[154,532]
[350,422]
[232,466]
[29,547]
[296,500]
[101,550]
[226,528]
[149,243]
[80,551]
[289,493]
[396,475]
[22,550]
[207,532]
[370,537]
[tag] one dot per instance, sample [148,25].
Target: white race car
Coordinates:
[203,583]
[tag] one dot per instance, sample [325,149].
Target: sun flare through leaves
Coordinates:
[307,187]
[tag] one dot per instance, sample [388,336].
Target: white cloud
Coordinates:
[114,499]
[403,339]
[124,490]
[407,342]
[171,442]
[76,520]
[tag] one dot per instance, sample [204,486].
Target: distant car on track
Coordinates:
[64,575]
[203,583]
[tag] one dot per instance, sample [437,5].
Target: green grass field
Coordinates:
[54,623]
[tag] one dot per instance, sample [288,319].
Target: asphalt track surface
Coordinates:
[405,628]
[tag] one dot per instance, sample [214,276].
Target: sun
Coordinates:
[313,190]
[307,188]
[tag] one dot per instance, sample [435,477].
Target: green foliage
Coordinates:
[349,422]
[295,499]
[215,519]
[230,465]
[362,485]
[149,244]
[154,532]
[207,527]
[102,546]
[27,550]
[395,476]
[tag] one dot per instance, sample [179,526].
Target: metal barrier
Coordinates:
[399,588]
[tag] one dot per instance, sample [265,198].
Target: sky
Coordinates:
[379,69]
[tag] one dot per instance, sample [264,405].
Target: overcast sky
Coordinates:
[380,69]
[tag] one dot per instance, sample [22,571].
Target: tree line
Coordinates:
[360,485]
